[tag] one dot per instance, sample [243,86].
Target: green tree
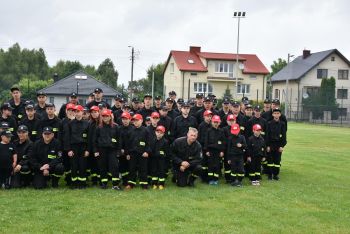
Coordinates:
[107,73]
[30,84]
[65,68]
[324,100]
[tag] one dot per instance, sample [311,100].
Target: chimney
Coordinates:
[195,49]
[306,53]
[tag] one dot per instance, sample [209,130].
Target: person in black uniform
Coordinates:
[117,108]
[276,140]
[256,154]
[171,111]
[186,153]
[32,122]
[267,106]
[157,103]
[125,128]
[22,175]
[224,111]
[214,147]
[268,115]
[202,133]
[98,99]
[73,99]
[92,161]
[198,104]
[135,104]
[208,105]
[165,121]
[137,153]
[8,159]
[172,96]
[236,147]
[46,160]
[17,103]
[160,154]
[183,122]
[107,150]
[51,120]
[6,116]
[40,107]
[77,148]
[147,110]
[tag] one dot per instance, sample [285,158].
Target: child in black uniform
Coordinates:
[8,159]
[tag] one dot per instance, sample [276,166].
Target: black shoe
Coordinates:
[173,179]
[103,186]
[239,184]
[190,184]
[269,177]
[234,183]
[276,177]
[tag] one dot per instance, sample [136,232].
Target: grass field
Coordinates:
[313,196]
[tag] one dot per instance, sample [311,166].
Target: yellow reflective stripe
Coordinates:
[114,140]
[242,128]
[257,173]
[81,178]
[270,165]
[25,173]
[216,175]
[142,182]
[154,178]
[109,174]
[74,178]
[251,174]
[131,182]
[195,176]
[240,174]
[88,170]
[161,179]
[104,180]
[67,172]
[51,156]
[228,172]
[84,135]
[11,129]
[210,174]
[34,132]
[55,129]
[94,175]
[142,143]
[115,179]
[161,152]
[55,175]
[205,168]
[262,133]
[20,116]
[277,165]
[232,174]
[125,174]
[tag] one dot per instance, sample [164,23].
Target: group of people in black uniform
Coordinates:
[142,143]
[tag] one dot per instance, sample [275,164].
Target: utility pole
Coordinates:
[287,83]
[132,71]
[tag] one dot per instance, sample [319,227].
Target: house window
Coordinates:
[322,73]
[52,100]
[277,93]
[243,88]
[222,67]
[332,58]
[342,111]
[343,74]
[252,77]
[171,67]
[342,94]
[205,88]
[193,73]
[312,91]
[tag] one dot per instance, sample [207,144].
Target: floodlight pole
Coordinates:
[287,83]
[238,15]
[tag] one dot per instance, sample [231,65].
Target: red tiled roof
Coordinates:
[181,58]
[252,63]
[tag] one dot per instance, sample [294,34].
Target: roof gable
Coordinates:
[69,84]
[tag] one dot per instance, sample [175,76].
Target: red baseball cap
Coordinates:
[70,106]
[231,117]
[94,108]
[126,115]
[79,108]
[216,118]
[160,128]
[257,127]
[207,112]
[137,117]
[155,115]
[235,129]
[106,112]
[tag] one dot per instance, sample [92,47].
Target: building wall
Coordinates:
[173,81]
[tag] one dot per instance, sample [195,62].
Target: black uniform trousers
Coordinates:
[78,164]
[274,160]
[227,169]
[55,172]
[204,175]
[213,165]
[237,167]
[158,170]
[5,176]
[189,175]
[108,163]
[138,164]
[124,169]
[93,167]
[22,178]
[255,168]
[67,167]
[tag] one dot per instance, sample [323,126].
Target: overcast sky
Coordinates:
[91,30]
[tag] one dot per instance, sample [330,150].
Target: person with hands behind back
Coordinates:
[8,159]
